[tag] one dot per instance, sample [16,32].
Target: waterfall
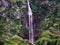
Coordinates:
[31,34]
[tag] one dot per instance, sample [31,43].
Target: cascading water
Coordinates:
[31,34]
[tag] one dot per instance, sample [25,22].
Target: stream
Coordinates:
[31,32]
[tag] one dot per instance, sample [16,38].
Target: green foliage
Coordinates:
[47,38]
[51,31]
[52,3]
[57,1]
[42,41]
[16,41]
[47,34]
[58,12]
[34,5]
[9,27]
[52,23]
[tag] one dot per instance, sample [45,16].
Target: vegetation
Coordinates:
[14,21]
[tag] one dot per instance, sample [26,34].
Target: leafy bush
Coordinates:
[16,41]
[48,38]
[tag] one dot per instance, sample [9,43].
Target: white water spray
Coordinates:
[31,34]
